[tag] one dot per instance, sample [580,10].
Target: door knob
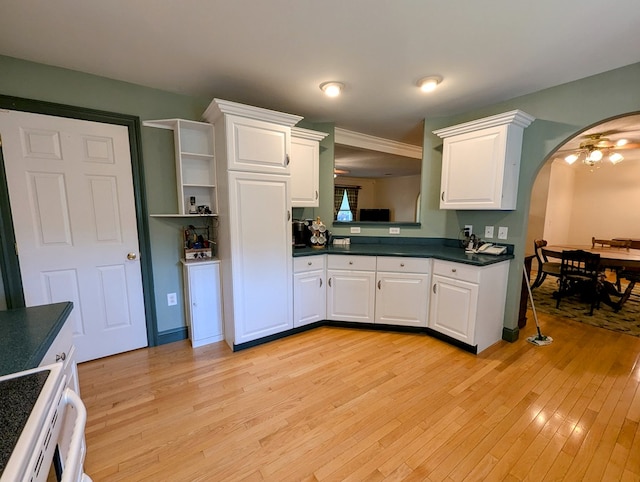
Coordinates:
[131,256]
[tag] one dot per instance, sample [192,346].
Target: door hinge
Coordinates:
[15,245]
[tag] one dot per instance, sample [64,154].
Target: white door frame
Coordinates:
[8,257]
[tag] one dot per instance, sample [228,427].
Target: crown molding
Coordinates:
[365,141]
[218,107]
[308,134]
[514,117]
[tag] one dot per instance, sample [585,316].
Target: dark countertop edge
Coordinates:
[39,325]
[39,354]
[445,253]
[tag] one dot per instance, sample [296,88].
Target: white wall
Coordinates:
[399,194]
[559,203]
[582,203]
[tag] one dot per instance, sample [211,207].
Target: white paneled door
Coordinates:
[71,193]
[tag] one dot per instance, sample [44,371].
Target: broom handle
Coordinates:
[533,306]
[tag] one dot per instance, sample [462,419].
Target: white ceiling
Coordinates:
[275,53]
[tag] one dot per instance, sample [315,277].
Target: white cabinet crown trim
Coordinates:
[514,117]
[218,107]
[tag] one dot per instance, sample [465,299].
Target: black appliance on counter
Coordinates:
[301,234]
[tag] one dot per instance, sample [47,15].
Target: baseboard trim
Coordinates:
[175,334]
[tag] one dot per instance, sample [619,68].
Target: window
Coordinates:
[345,199]
[344,213]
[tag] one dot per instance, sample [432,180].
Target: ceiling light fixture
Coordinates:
[429,84]
[594,149]
[332,89]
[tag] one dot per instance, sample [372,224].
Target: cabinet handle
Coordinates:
[350,262]
[434,288]
[288,215]
[316,195]
[329,282]
[286,157]
[379,284]
[61,357]
[453,270]
[442,196]
[309,263]
[402,265]
[320,282]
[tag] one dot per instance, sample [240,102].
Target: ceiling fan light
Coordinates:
[595,155]
[332,89]
[615,158]
[570,159]
[429,84]
[621,142]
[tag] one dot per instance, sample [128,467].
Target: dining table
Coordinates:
[610,258]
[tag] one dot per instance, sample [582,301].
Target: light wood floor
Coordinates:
[337,404]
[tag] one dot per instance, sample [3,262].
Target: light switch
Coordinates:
[502,232]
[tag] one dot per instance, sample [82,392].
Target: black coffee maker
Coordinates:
[299,229]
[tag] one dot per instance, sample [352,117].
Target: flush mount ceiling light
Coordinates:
[332,89]
[429,84]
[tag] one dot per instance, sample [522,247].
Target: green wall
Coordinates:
[560,112]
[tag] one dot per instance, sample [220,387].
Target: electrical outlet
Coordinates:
[488,232]
[355,230]
[468,229]
[394,230]
[502,232]
[172,299]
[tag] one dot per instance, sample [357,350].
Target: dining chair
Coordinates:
[618,243]
[579,273]
[545,267]
[611,243]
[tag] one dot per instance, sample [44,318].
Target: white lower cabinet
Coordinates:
[202,301]
[62,351]
[351,288]
[402,295]
[309,290]
[467,302]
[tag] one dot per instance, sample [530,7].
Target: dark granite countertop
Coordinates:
[424,250]
[27,333]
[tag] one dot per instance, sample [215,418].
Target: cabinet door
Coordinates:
[473,169]
[309,298]
[261,258]
[257,146]
[204,310]
[402,299]
[453,308]
[351,295]
[305,155]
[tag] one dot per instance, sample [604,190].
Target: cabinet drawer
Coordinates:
[404,265]
[309,263]
[463,272]
[357,263]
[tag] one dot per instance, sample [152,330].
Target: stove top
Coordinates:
[17,398]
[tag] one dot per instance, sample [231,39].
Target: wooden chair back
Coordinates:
[611,243]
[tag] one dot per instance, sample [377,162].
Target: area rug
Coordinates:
[627,320]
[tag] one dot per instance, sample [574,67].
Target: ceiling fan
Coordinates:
[596,147]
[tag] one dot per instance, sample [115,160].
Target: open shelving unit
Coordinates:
[195,166]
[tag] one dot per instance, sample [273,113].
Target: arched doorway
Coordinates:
[578,195]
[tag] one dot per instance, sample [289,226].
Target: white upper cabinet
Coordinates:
[195,165]
[481,162]
[256,139]
[305,167]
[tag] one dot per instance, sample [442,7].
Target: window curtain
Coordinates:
[352,197]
